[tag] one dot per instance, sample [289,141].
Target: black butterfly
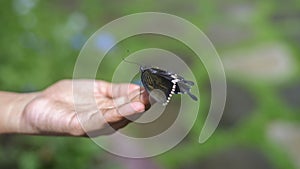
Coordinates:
[162,84]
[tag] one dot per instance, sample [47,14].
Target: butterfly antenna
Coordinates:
[131,62]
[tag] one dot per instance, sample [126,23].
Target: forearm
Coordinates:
[12,106]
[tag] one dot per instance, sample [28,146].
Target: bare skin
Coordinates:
[69,108]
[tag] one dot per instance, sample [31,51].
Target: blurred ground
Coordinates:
[258,41]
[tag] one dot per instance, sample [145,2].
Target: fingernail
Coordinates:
[138,107]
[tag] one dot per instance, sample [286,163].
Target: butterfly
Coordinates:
[162,84]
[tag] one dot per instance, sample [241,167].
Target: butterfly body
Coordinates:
[167,83]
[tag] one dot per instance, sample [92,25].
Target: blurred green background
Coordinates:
[258,42]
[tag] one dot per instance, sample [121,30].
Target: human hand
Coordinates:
[52,111]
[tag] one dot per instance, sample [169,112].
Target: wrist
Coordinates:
[13,120]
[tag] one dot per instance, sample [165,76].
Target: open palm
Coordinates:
[83,107]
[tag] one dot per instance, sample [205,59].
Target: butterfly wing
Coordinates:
[166,82]
[159,87]
[182,86]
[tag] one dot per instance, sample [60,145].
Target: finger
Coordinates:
[134,96]
[142,97]
[128,109]
[115,90]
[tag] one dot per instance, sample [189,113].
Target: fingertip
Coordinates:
[133,87]
[138,106]
[144,97]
